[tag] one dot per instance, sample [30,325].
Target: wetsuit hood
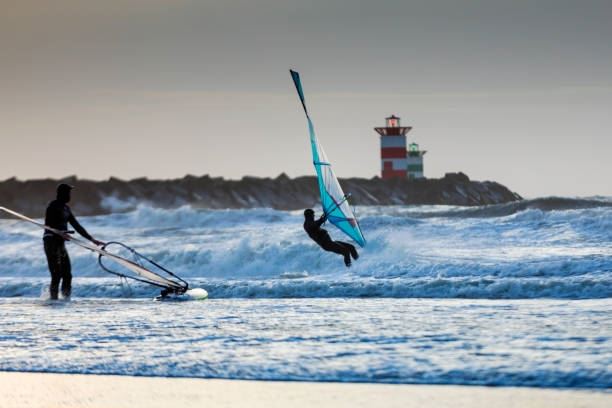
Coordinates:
[63,192]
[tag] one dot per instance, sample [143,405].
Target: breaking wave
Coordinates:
[543,248]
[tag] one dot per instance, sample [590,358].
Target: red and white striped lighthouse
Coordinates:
[393,158]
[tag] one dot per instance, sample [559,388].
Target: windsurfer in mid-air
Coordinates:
[57,216]
[321,237]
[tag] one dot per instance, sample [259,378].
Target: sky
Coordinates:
[518,92]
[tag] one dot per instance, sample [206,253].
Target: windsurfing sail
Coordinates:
[132,269]
[333,200]
[139,267]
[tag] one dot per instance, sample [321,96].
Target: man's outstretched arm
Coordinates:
[79,228]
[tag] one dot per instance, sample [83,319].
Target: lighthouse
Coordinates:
[393,154]
[415,161]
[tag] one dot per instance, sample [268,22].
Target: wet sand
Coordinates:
[34,390]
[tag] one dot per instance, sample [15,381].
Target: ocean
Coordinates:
[517,294]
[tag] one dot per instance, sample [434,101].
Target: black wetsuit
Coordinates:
[57,216]
[321,237]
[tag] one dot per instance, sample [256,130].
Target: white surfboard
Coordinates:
[190,294]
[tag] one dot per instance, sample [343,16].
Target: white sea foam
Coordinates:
[422,251]
[542,343]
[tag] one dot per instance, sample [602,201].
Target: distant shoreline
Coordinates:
[281,193]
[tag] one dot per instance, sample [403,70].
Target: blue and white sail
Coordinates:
[333,200]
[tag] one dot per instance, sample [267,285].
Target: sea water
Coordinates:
[516,294]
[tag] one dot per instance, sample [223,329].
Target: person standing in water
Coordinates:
[321,237]
[57,216]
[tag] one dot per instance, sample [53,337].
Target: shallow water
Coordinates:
[516,294]
[519,342]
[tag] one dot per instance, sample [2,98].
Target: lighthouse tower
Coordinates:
[393,155]
[415,161]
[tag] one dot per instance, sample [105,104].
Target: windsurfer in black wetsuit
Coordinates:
[321,237]
[57,216]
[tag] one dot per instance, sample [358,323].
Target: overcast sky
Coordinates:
[518,92]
